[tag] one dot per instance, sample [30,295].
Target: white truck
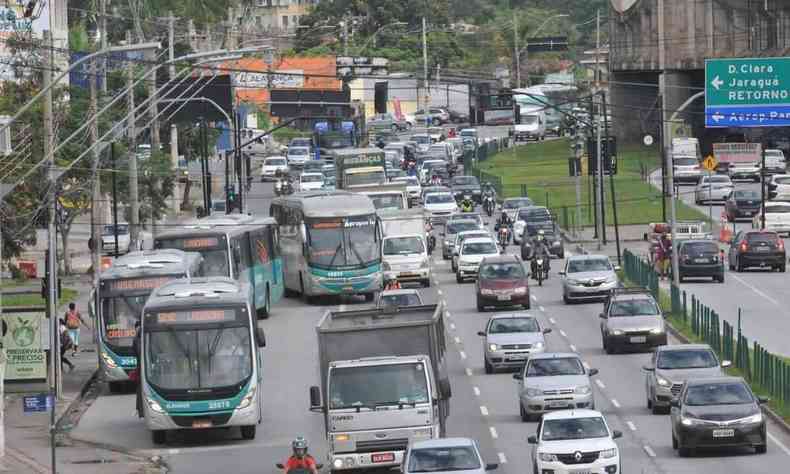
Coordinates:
[532,126]
[404,246]
[387,196]
[384,383]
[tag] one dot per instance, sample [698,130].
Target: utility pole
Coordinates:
[96,187]
[103,39]
[171,27]
[134,193]
[598,47]
[599,184]
[344,23]
[425,68]
[515,51]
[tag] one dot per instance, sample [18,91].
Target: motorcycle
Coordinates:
[488,204]
[470,207]
[539,271]
[504,237]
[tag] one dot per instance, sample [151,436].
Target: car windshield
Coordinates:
[574,428]
[589,265]
[529,119]
[685,161]
[409,180]
[403,245]
[634,307]
[555,366]
[479,248]
[471,235]
[343,242]
[739,194]
[510,325]
[387,201]
[300,142]
[119,315]
[110,229]
[718,393]
[297,151]
[464,181]
[699,247]
[443,459]
[405,299]
[275,162]
[516,203]
[361,179]
[422,139]
[762,237]
[778,208]
[460,226]
[782,180]
[686,359]
[534,214]
[502,271]
[373,386]
[439,198]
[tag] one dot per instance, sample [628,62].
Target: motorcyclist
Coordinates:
[429,235]
[392,284]
[489,192]
[504,220]
[300,459]
[540,249]
[436,180]
[411,169]
[467,205]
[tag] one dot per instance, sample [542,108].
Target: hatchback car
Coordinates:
[719,412]
[757,248]
[439,206]
[575,441]
[510,338]
[502,281]
[588,277]
[700,259]
[750,171]
[510,206]
[311,181]
[777,217]
[686,169]
[466,186]
[671,366]
[742,203]
[553,381]
[298,155]
[462,216]
[713,188]
[775,162]
[403,297]
[273,166]
[443,456]
[405,258]
[631,319]
[460,237]
[778,184]
[451,229]
[471,253]
[530,216]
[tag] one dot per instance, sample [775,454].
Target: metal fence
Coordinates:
[767,373]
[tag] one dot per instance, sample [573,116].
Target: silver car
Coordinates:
[444,455]
[686,168]
[459,239]
[632,319]
[588,277]
[510,338]
[554,381]
[713,188]
[671,366]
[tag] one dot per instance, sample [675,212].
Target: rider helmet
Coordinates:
[541,234]
[299,446]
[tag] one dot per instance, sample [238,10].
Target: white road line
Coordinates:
[600,384]
[483,410]
[586,365]
[779,443]
[631,425]
[747,285]
[573,348]
[449,315]
[649,451]
[463,354]
[173,451]
[542,309]
[552,321]
[477,391]
[502,458]
[494,434]
[468,372]
[342,307]
[615,403]
[457,339]
[452,326]
[562,333]
[533,297]
[439,292]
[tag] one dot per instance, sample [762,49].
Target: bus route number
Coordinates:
[218,404]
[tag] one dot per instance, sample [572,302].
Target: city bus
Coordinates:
[237,246]
[200,358]
[330,242]
[123,290]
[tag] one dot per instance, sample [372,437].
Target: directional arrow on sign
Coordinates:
[718,116]
[717,82]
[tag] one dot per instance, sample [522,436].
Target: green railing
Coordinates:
[767,373]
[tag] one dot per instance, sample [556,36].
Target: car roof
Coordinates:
[478,240]
[720,379]
[503,258]
[474,231]
[279,157]
[574,413]
[681,347]
[554,355]
[441,443]
[696,241]
[588,257]
[465,220]
[775,204]
[515,315]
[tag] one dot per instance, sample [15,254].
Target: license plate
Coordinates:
[407,274]
[517,357]
[581,472]
[383,457]
[201,423]
[638,339]
[503,297]
[557,404]
[723,433]
[762,249]
[701,260]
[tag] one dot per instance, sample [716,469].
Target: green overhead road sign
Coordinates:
[747,92]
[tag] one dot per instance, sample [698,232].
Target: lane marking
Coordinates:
[751,287]
[173,451]
[439,292]
[342,307]
[542,309]
[452,326]
[615,403]
[483,410]
[494,434]
[600,384]
[573,348]
[457,339]
[463,354]
[779,443]
[502,458]
[552,321]
[563,333]
[477,391]
[468,372]
[649,451]
[631,425]
[533,297]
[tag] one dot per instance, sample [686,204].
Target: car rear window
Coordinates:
[778,208]
[761,237]
[685,161]
[699,247]
[783,180]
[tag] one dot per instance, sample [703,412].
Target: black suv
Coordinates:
[700,258]
[757,248]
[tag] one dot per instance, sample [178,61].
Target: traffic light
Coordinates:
[29,7]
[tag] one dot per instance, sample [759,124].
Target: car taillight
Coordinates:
[744,247]
[780,244]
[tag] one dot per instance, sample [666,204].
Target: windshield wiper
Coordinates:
[213,347]
[337,250]
[400,404]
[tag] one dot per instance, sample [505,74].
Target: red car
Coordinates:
[502,281]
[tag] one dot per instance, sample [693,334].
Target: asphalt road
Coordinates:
[760,294]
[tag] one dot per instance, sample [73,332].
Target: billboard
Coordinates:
[216,88]
[303,102]
[737,152]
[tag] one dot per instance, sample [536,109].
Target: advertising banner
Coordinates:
[25,357]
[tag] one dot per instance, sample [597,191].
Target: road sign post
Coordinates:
[747,92]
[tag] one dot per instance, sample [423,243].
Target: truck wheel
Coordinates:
[458,278]
[488,367]
[248,432]
[159,436]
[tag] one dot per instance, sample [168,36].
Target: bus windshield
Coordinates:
[351,241]
[212,249]
[119,315]
[387,201]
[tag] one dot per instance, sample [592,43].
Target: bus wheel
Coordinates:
[307,298]
[159,436]
[248,432]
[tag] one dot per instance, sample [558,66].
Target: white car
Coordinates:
[311,181]
[413,187]
[298,155]
[439,206]
[405,258]
[777,217]
[686,168]
[575,441]
[775,161]
[778,185]
[108,239]
[713,188]
[749,170]
[425,169]
[273,166]
[471,253]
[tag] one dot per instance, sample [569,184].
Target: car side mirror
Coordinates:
[315,399]
[547,331]
[261,337]
[481,333]
[675,402]
[592,372]
[532,439]
[763,400]
[492,466]
[648,368]
[518,376]
[602,316]
[445,390]
[726,363]
[562,273]
[617,434]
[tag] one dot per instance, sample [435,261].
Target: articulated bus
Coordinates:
[200,358]
[237,246]
[330,241]
[123,291]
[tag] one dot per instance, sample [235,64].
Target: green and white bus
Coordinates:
[201,363]
[238,246]
[330,242]
[123,291]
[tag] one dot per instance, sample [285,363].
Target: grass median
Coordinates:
[34,299]
[543,167]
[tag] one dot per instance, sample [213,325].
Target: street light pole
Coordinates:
[425,69]
[515,50]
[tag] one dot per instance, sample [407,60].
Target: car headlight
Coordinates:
[608,453]
[689,421]
[538,345]
[486,291]
[520,290]
[447,243]
[582,390]
[385,266]
[492,348]
[547,457]
[657,331]
[756,418]
[338,463]
[663,382]
[154,405]
[534,392]
[341,437]
[617,332]
[248,398]
[108,361]
[571,281]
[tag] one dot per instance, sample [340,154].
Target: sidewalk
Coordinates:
[27,435]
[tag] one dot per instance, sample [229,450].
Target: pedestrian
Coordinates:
[665,253]
[65,344]
[73,320]
[137,374]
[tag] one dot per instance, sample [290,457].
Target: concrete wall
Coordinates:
[634,105]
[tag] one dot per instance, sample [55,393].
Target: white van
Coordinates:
[532,126]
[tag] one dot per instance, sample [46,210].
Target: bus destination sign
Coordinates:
[150,283]
[197,316]
[200,243]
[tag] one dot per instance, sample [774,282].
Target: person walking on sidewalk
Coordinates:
[73,320]
[65,344]
[664,255]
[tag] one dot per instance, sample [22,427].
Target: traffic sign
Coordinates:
[709,163]
[39,402]
[747,92]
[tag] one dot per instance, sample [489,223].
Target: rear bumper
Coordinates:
[625,340]
[761,260]
[512,300]
[701,270]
